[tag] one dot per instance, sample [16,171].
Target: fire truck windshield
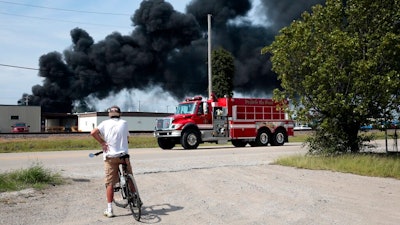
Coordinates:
[185,108]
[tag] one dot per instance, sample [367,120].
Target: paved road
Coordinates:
[78,164]
[210,185]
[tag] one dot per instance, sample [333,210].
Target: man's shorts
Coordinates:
[111,169]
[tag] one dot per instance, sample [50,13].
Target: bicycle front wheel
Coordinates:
[120,198]
[134,201]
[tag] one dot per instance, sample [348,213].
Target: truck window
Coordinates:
[185,108]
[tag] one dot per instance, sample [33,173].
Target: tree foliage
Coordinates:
[222,72]
[340,67]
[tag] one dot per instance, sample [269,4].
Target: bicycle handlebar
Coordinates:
[91,155]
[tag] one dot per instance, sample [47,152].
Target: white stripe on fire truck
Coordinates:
[238,126]
[205,126]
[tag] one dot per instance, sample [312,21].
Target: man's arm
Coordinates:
[96,135]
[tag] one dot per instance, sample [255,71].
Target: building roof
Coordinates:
[125,114]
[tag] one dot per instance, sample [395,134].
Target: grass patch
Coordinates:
[376,165]
[86,142]
[65,143]
[33,177]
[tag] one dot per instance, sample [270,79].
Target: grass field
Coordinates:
[85,142]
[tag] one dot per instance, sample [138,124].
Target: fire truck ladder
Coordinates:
[257,113]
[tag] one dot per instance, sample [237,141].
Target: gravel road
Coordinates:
[210,185]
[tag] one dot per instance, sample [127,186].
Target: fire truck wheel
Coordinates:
[239,143]
[165,143]
[279,137]
[190,139]
[263,137]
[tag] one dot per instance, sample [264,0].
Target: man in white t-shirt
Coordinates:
[113,136]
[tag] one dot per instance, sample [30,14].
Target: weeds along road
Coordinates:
[210,185]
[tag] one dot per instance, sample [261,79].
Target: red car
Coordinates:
[20,128]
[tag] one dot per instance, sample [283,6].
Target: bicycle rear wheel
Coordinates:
[134,201]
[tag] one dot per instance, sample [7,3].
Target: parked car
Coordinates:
[20,128]
[366,127]
[302,127]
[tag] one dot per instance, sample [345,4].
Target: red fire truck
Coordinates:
[242,121]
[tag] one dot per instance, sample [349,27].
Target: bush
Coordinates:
[33,177]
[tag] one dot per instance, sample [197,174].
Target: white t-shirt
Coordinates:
[115,132]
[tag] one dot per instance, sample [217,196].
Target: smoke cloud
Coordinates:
[166,48]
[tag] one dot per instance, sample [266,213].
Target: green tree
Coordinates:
[222,72]
[340,66]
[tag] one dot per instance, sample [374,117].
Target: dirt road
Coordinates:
[204,186]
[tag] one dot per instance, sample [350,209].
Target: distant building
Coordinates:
[137,121]
[59,122]
[13,114]
[69,122]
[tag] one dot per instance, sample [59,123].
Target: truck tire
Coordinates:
[165,143]
[238,143]
[279,137]
[190,139]
[263,137]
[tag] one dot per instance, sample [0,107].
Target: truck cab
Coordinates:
[189,116]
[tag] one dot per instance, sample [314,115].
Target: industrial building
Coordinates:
[69,122]
[13,114]
[137,121]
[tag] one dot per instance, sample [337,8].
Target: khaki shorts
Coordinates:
[111,169]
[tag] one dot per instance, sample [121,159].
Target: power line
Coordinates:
[66,10]
[19,67]
[60,72]
[64,21]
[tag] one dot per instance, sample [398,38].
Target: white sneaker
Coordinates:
[109,214]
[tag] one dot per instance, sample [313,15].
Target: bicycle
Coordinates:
[128,189]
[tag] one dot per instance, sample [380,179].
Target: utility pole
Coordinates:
[209,57]
[26,99]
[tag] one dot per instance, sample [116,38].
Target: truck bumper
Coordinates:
[167,133]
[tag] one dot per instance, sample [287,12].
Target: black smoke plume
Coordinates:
[166,48]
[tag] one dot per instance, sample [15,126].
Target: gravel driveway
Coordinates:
[207,186]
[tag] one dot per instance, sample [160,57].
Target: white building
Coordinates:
[66,122]
[137,121]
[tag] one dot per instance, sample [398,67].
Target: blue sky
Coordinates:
[30,29]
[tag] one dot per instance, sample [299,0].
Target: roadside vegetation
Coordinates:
[339,66]
[33,177]
[86,142]
[374,165]
[66,143]
[365,164]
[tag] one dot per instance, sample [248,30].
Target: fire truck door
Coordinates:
[201,117]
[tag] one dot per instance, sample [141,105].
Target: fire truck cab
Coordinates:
[242,121]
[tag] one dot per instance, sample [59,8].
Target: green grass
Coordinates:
[86,142]
[68,143]
[376,165]
[33,177]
